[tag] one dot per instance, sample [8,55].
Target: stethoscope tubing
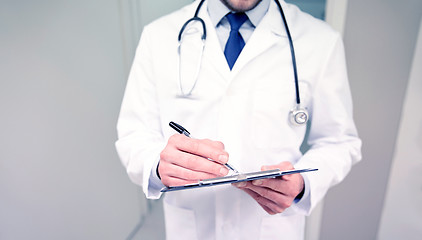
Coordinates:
[294,112]
[292,51]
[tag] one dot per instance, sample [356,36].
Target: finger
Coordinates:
[174,181]
[254,195]
[280,200]
[204,148]
[193,162]
[268,204]
[282,166]
[240,184]
[274,200]
[276,184]
[187,174]
[272,206]
[288,188]
[267,209]
[173,175]
[267,193]
[216,144]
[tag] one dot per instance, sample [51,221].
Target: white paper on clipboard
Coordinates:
[237,178]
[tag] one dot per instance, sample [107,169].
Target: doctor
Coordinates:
[239,110]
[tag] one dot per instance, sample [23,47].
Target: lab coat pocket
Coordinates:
[180,223]
[282,227]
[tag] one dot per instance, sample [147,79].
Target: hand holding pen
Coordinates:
[185,132]
[186,160]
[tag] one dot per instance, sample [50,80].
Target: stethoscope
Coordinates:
[297,116]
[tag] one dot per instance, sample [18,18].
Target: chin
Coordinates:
[241,5]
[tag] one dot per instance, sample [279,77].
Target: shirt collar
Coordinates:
[217,10]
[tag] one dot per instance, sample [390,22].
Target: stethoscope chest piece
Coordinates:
[298,116]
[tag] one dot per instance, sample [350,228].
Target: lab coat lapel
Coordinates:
[270,31]
[213,53]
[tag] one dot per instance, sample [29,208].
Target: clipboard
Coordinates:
[242,177]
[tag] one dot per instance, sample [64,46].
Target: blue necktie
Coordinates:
[235,43]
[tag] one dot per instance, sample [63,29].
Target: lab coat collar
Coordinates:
[213,52]
[255,17]
[217,11]
[274,19]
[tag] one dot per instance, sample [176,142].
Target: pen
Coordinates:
[185,132]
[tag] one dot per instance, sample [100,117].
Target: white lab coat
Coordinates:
[247,109]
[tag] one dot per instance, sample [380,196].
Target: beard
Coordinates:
[241,5]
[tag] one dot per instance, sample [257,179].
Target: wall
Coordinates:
[380,39]
[314,7]
[62,79]
[402,212]
[63,72]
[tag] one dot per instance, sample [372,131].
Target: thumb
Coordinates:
[269,167]
[282,166]
[287,177]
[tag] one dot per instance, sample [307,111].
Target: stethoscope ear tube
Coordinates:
[195,18]
[204,30]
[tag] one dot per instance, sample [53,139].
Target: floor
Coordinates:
[152,226]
